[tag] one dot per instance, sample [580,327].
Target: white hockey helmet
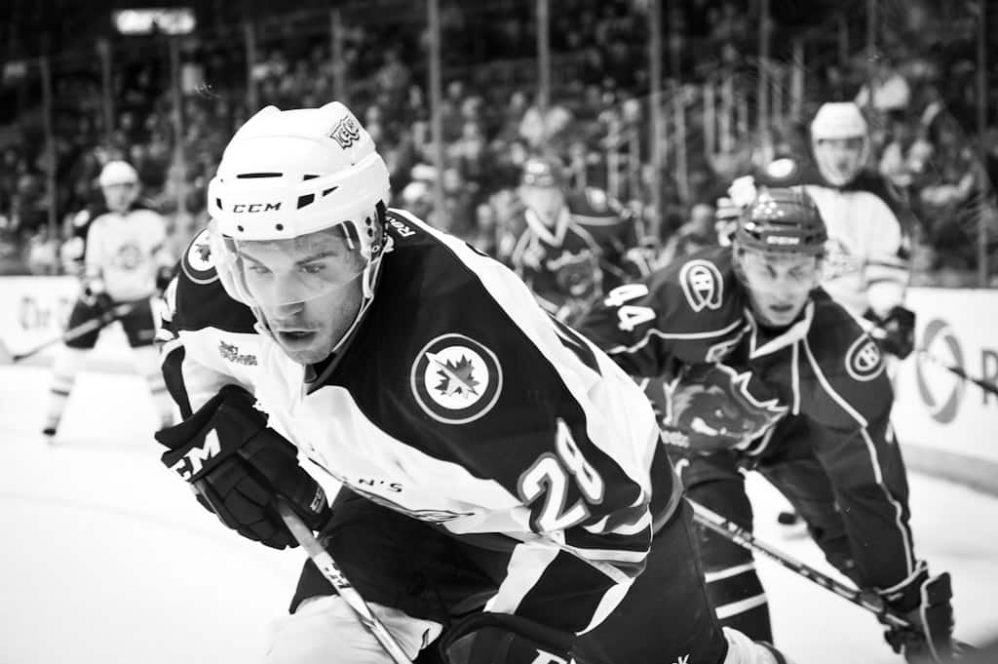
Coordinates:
[117,172]
[840,141]
[287,174]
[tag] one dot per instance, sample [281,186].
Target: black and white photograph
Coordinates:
[499,332]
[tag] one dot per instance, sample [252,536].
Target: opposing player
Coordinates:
[575,245]
[119,252]
[868,263]
[498,480]
[753,366]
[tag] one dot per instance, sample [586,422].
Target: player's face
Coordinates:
[840,159]
[119,197]
[308,290]
[779,285]
[545,201]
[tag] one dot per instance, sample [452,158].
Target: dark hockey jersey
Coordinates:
[591,248]
[615,230]
[457,401]
[823,368]
[560,265]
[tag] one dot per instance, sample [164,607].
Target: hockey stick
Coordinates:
[105,319]
[957,371]
[868,600]
[329,569]
[873,329]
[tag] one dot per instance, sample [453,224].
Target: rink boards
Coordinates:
[947,425]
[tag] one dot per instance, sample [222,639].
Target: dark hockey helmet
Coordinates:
[782,220]
[542,172]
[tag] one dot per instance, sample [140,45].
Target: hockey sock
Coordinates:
[67,366]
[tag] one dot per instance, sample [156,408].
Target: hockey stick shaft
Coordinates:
[332,573]
[957,371]
[876,332]
[83,328]
[735,533]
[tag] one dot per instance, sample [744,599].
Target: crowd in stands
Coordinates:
[596,122]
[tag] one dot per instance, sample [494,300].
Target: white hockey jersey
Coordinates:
[458,401]
[125,251]
[868,251]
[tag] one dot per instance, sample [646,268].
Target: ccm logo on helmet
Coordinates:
[702,285]
[782,239]
[250,208]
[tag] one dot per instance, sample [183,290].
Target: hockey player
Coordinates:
[498,480]
[755,367]
[867,266]
[119,252]
[575,245]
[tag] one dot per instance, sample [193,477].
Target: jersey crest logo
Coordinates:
[196,262]
[455,379]
[717,401]
[864,361]
[702,284]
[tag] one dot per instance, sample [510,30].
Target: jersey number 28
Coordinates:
[549,477]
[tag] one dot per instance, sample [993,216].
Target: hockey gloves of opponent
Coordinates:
[238,468]
[924,602]
[96,297]
[895,331]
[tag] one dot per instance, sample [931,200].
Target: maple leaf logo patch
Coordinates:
[456,379]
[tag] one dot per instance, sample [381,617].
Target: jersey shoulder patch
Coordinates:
[201,299]
[840,343]
[864,360]
[702,284]
[196,263]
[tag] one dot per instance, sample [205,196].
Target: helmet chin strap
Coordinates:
[369,280]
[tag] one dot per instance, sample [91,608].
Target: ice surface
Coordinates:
[106,557]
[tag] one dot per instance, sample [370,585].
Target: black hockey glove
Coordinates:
[95,296]
[238,468]
[164,275]
[895,331]
[925,603]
